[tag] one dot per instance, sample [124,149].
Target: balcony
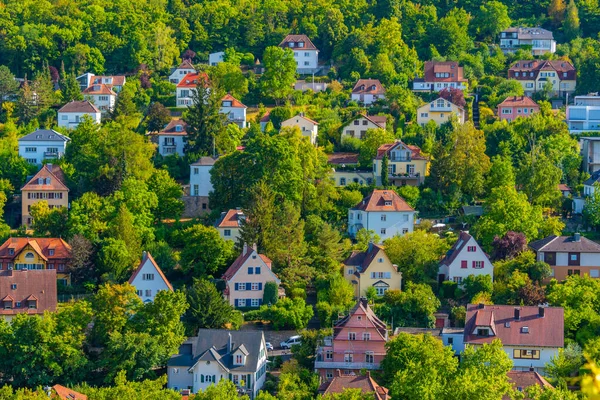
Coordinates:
[345,365]
[52,154]
[401,159]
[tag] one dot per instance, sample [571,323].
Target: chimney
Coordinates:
[245,249]
[144,255]
[577,237]
[339,372]
[229,343]
[481,306]
[254,247]
[364,302]
[541,311]
[517,313]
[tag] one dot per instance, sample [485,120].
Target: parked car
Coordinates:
[291,341]
[269,346]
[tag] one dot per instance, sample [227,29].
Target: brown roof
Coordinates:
[79,107]
[205,161]
[231,219]
[62,250]
[563,187]
[342,158]
[50,172]
[362,259]
[521,380]
[117,80]
[67,394]
[265,118]
[148,256]
[380,120]
[99,88]
[186,64]
[190,80]
[41,283]
[308,45]
[365,86]
[459,245]
[376,201]
[241,260]
[565,244]
[388,147]
[365,383]
[542,331]
[536,66]
[362,308]
[455,72]
[234,102]
[171,128]
[518,101]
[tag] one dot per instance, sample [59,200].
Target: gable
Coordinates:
[38,256]
[376,266]
[149,266]
[242,273]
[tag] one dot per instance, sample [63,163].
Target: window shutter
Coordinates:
[236,300]
[202,378]
[248,381]
[260,301]
[248,286]
[250,270]
[259,285]
[214,379]
[474,264]
[236,286]
[463,264]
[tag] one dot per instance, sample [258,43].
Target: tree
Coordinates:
[81,264]
[69,87]
[204,251]
[454,96]
[280,73]
[113,306]
[8,84]
[556,11]
[571,22]
[491,19]
[476,284]
[225,390]
[373,139]
[509,246]
[271,293]
[230,79]
[566,364]
[48,221]
[157,118]
[385,178]
[501,173]
[591,209]
[287,313]
[207,308]
[168,193]
[414,306]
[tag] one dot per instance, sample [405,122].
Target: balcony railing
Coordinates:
[345,365]
[48,154]
[400,159]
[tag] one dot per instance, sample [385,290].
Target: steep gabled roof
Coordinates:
[362,308]
[172,128]
[79,107]
[454,71]
[459,246]
[365,86]
[191,80]
[363,259]
[365,383]
[290,121]
[62,250]
[233,218]
[186,64]
[388,147]
[64,393]
[44,135]
[148,257]
[518,101]
[521,380]
[99,89]
[295,39]
[204,161]
[235,103]
[377,200]
[50,172]
[247,252]
[39,283]
[342,158]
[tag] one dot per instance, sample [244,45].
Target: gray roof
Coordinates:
[205,161]
[212,345]
[44,135]
[564,244]
[592,179]
[532,33]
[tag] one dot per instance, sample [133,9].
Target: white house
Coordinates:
[383,212]
[216,58]
[589,186]
[359,126]
[465,258]
[182,70]
[230,224]
[540,40]
[530,336]
[148,279]
[42,144]
[85,80]
[590,153]
[307,126]
[368,91]
[316,87]
[584,114]
[187,87]
[200,184]
[101,96]
[439,75]
[113,82]
[171,140]
[217,354]
[71,114]
[305,53]
[234,109]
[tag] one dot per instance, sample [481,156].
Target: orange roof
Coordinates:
[366,86]
[148,256]
[231,219]
[186,64]
[62,250]
[234,102]
[99,88]
[172,128]
[68,394]
[386,148]
[365,383]
[383,200]
[191,80]
[52,180]
[518,101]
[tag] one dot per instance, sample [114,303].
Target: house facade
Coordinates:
[590,153]
[47,185]
[346,171]
[230,224]
[234,110]
[42,144]
[530,336]
[358,127]
[307,126]
[187,87]
[31,292]
[172,139]
[182,70]
[103,97]
[383,212]
[37,254]
[216,58]
[371,268]
[306,53]
[72,114]
[465,258]
[367,91]
[514,107]
[358,343]
[541,41]
[534,75]
[406,164]
[584,114]
[439,75]
[440,111]
[568,255]
[245,279]
[217,354]
[148,279]
[200,184]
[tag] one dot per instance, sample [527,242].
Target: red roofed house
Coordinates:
[71,114]
[358,127]
[47,185]
[521,380]
[535,74]
[64,393]
[517,106]
[148,279]
[383,212]
[440,75]
[245,279]
[358,343]
[230,224]
[306,53]
[365,383]
[27,292]
[531,336]
[406,164]
[114,82]
[465,258]
[186,67]
[37,254]
[234,109]
[102,96]
[368,91]
[371,268]
[307,126]
[187,86]
[171,140]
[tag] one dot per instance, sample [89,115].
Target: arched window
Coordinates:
[29,255]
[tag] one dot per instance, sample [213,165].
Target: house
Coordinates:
[365,383]
[187,87]
[114,82]
[171,140]
[307,126]
[101,96]
[358,343]
[264,120]
[465,258]
[37,254]
[148,279]
[186,67]
[439,75]
[584,114]
[564,189]
[453,337]
[85,80]
[200,184]
[440,111]
[383,212]
[216,58]
[25,291]
[521,380]
[217,354]
[568,255]
[590,153]
[541,41]
[305,53]
[533,75]
[514,107]
[406,164]
[346,170]
[47,185]
[230,224]
[371,268]
[42,144]
[234,109]
[367,91]
[245,279]
[71,114]
[64,393]
[530,336]
[316,87]
[590,185]
[358,127]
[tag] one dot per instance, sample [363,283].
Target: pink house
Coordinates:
[516,106]
[358,342]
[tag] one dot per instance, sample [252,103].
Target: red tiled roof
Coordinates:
[365,86]
[99,88]
[231,219]
[48,171]
[65,393]
[148,256]
[234,102]
[342,158]
[365,383]
[563,188]
[308,45]
[377,199]
[79,107]
[39,283]
[525,67]
[521,380]
[241,260]
[171,128]
[363,259]
[62,250]
[117,80]
[186,64]
[190,80]
[518,101]
[265,118]
[388,147]
[546,331]
[362,308]
[455,72]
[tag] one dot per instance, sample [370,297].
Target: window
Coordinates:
[348,357]
[13,286]
[51,252]
[30,149]
[255,286]
[382,231]
[343,183]
[483,332]
[528,354]
[564,74]
[147,277]
[381,275]
[405,218]
[550,258]
[478,264]
[471,249]
[366,336]
[350,271]
[424,115]
[240,286]
[573,258]
[356,122]
[383,217]
[450,340]
[410,170]
[64,117]
[329,355]
[255,302]
[404,231]
[238,359]
[196,170]
[380,260]
[236,379]
[227,232]
[250,270]
[257,270]
[306,63]
[148,293]
[351,335]
[329,374]
[369,357]
[196,190]
[140,292]
[381,290]
[463,264]
[457,279]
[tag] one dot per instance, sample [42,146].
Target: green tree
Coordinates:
[414,306]
[230,79]
[373,139]
[271,293]
[113,306]
[475,284]
[157,118]
[280,73]
[168,193]
[385,177]
[285,314]
[69,87]
[48,221]
[8,84]
[565,365]
[204,251]
[571,22]
[491,19]
[207,308]
[225,390]
[556,11]
[591,209]
[204,121]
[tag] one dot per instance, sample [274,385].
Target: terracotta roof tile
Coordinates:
[62,250]
[79,107]
[308,45]
[388,147]
[38,283]
[365,383]
[342,158]
[365,86]
[191,80]
[235,103]
[450,67]
[383,200]
[117,80]
[525,67]
[241,260]
[172,128]
[231,219]
[49,171]
[521,380]
[518,101]
[97,89]
[65,393]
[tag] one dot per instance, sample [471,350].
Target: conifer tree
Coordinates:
[571,22]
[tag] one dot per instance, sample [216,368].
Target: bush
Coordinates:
[448,289]
[271,293]
[286,314]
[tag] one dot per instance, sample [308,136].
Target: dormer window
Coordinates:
[227,104]
[524,329]
[38,136]
[373,87]
[13,286]
[32,304]
[8,305]
[11,252]
[483,332]
[291,44]
[301,44]
[51,252]
[178,128]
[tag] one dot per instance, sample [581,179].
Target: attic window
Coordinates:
[507,324]
[300,44]
[11,252]
[483,332]
[51,252]
[525,329]
[51,137]
[388,203]
[178,128]
[13,286]
[38,136]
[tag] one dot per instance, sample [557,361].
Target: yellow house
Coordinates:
[371,268]
[406,164]
[440,111]
[47,185]
[533,75]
